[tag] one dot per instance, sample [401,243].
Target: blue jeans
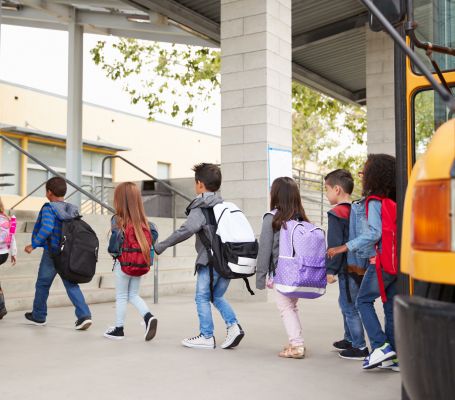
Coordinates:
[368,293]
[353,328]
[204,310]
[46,275]
[126,290]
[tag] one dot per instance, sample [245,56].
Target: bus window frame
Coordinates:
[415,93]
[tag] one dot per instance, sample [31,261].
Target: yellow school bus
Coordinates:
[425,150]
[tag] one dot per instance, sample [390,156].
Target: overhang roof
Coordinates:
[60,138]
[329,36]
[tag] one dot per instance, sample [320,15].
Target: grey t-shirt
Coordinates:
[269,243]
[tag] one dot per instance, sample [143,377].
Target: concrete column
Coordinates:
[74,106]
[255,98]
[380,93]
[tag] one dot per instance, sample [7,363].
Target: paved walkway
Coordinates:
[56,362]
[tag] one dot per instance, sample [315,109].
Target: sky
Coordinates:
[38,58]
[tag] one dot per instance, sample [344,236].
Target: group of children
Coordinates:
[352,238]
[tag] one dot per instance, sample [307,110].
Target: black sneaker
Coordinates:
[151,324]
[115,332]
[342,345]
[82,324]
[354,353]
[3,312]
[32,320]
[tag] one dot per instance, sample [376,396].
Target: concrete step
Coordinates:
[58,298]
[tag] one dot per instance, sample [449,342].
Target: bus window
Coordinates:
[435,24]
[429,113]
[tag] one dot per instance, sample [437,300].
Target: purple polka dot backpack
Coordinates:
[300,271]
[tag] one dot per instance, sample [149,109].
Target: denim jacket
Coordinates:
[116,239]
[364,233]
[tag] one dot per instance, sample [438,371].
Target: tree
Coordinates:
[176,66]
[325,131]
[318,121]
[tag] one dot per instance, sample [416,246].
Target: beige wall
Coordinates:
[150,142]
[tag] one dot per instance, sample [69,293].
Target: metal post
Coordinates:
[174,222]
[74,104]
[322,201]
[155,280]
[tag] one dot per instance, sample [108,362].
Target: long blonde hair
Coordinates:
[130,210]
[2,207]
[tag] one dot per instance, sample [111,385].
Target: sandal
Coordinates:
[289,351]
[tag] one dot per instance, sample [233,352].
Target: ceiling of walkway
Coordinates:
[329,36]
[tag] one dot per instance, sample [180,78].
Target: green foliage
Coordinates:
[318,121]
[325,130]
[424,120]
[195,69]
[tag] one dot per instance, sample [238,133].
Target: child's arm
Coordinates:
[334,239]
[47,225]
[13,250]
[193,224]
[265,252]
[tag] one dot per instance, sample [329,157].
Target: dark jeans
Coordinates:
[353,328]
[368,293]
[46,275]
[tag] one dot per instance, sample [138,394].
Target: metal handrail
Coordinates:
[166,185]
[52,171]
[75,191]
[28,195]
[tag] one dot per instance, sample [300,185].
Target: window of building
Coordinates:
[163,170]
[10,164]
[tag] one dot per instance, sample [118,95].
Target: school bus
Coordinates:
[424,34]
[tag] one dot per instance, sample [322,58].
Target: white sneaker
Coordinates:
[393,365]
[378,356]
[200,342]
[234,335]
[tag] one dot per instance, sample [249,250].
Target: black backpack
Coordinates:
[78,251]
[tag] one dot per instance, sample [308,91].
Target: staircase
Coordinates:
[18,282]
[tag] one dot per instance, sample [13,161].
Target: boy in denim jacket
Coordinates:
[339,186]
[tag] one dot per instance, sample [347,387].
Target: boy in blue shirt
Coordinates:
[47,234]
[339,186]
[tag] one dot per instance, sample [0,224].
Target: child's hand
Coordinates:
[331,278]
[28,249]
[13,260]
[336,250]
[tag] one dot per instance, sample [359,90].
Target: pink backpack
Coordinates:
[7,229]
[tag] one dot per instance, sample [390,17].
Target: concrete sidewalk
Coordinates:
[57,362]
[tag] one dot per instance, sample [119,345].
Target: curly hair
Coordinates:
[379,176]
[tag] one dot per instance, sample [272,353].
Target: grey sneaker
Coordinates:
[199,342]
[234,335]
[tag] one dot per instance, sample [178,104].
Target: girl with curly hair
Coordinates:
[378,179]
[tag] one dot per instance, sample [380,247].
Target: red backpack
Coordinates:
[387,258]
[131,258]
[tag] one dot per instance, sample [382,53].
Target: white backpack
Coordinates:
[233,250]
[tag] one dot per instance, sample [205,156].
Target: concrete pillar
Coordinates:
[380,93]
[74,106]
[255,99]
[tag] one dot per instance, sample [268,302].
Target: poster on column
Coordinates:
[280,163]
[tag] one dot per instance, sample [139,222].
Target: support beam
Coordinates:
[328,32]
[181,14]
[74,105]
[323,85]
[105,23]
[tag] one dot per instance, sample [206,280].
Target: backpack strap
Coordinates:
[210,220]
[378,257]
[248,287]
